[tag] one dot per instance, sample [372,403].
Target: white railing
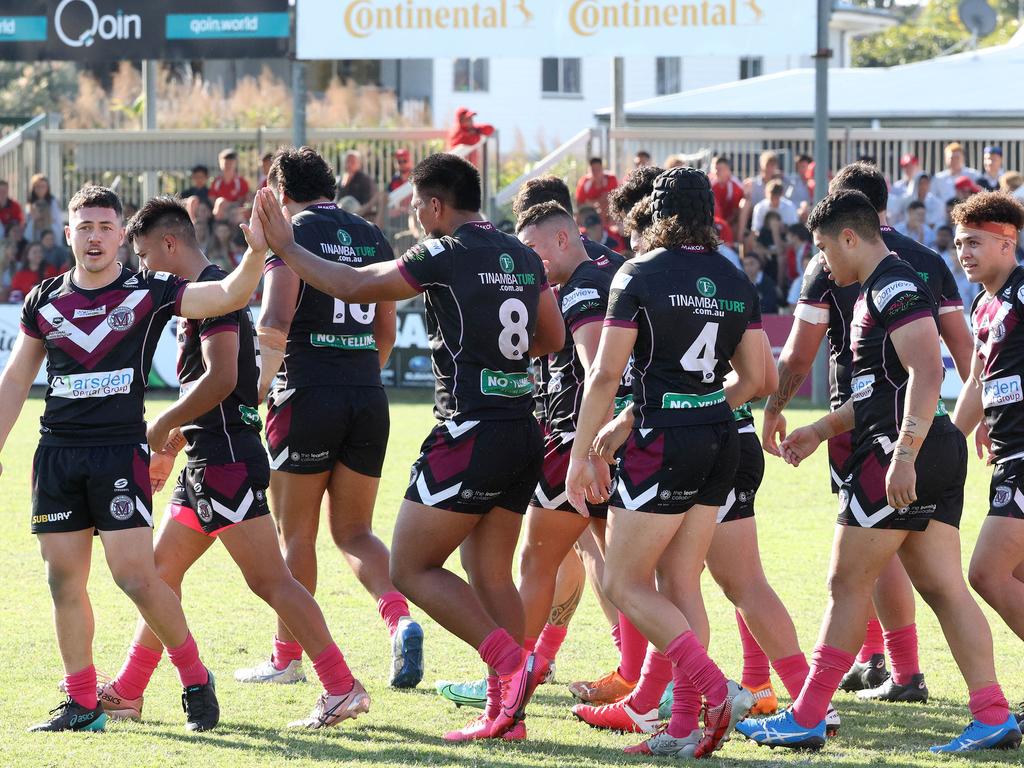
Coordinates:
[18,156]
[575,149]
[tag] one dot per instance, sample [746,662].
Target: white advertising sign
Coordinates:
[374,29]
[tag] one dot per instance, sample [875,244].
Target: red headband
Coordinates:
[995,228]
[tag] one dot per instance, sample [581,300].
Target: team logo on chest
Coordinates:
[344,237]
[121,318]
[706,287]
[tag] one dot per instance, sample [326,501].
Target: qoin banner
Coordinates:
[113,30]
[374,29]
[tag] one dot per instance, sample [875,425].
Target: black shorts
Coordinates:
[105,487]
[312,428]
[478,465]
[662,471]
[550,491]
[211,498]
[749,474]
[941,473]
[840,448]
[1006,492]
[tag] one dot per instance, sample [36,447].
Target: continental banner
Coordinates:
[373,29]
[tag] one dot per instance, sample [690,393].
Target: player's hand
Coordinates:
[253,232]
[901,484]
[584,481]
[277,228]
[156,435]
[799,445]
[983,443]
[773,431]
[160,467]
[611,437]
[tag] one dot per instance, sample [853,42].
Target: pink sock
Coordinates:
[392,607]
[828,666]
[333,672]
[617,637]
[530,644]
[873,642]
[185,659]
[689,655]
[81,686]
[793,671]
[901,646]
[685,706]
[138,668]
[550,641]
[756,669]
[632,651]
[285,652]
[500,652]
[655,677]
[493,697]
[989,706]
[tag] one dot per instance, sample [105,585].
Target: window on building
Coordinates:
[472,75]
[751,66]
[669,74]
[561,77]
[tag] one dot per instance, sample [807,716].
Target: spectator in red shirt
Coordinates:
[728,192]
[466,132]
[594,187]
[403,169]
[229,185]
[33,271]
[10,211]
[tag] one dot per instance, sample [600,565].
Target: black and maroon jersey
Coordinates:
[583,299]
[482,288]
[331,342]
[999,341]
[230,432]
[99,349]
[602,255]
[818,289]
[690,307]
[894,295]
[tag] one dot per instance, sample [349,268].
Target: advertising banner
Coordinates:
[113,30]
[374,29]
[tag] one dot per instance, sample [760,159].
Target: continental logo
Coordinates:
[588,17]
[365,17]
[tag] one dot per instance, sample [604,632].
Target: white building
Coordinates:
[540,103]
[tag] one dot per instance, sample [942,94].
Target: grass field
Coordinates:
[795,519]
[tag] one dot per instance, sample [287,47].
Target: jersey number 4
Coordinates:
[700,357]
[361,313]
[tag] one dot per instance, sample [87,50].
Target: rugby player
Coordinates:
[221,492]
[825,308]
[328,420]
[903,493]
[686,314]
[987,227]
[489,309]
[97,327]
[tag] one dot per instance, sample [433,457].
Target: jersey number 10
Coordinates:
[361,313]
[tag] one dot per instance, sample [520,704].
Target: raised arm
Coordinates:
[373,283]
[16,381]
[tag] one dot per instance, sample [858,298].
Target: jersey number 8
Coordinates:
[514,340]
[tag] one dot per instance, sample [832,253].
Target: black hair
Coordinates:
[542,212]
[302,174]
[866,179]
[915,205]
[542,190]
[845,209]
[683,210]
[596,159]
[637,185]
[449,178]
[200,168]
[92,196]
[161,214]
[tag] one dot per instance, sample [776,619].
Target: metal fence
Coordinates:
[19,155]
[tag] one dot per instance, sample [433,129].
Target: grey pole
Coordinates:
[819,376]
[298,103]
[618,111]
[150,180]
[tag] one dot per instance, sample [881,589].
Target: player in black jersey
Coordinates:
[221,492]
[825,308]
[685,314]
[904,491]
[328,420]
[488,309]
[97,328]
[987,227]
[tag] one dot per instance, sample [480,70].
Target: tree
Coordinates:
[30,88]
[929,31]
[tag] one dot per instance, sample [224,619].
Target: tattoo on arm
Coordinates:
[789,384]
[561,614]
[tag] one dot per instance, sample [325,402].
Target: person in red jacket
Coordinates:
[467,132]
[594,187]
[10,210]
